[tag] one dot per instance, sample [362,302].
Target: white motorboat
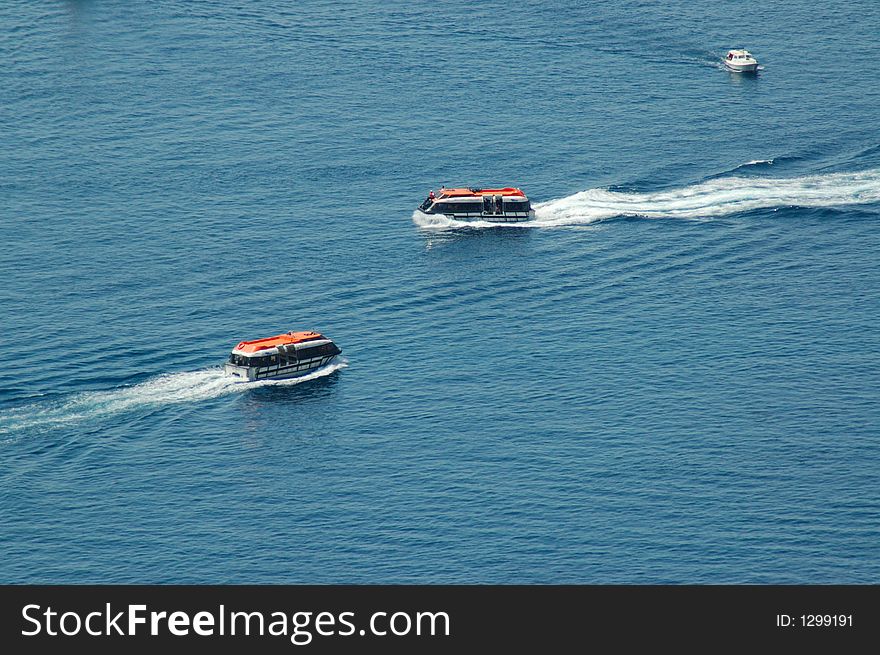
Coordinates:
[740,61]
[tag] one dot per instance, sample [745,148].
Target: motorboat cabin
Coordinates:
[503,205]
[740,61]
[286,355]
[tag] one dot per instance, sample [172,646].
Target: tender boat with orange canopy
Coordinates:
[501,205]
[286,355]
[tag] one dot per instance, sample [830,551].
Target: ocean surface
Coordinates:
[671,376]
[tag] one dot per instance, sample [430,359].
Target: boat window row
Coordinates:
[459,207]
[475,207]
[318,351]
[275,360]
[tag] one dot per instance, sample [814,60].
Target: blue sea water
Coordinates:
[671,376]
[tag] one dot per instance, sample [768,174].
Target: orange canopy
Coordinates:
[280,340]
[467,193]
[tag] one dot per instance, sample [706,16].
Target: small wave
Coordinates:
[760,166]
[715,197]
[167,389]
[866,152]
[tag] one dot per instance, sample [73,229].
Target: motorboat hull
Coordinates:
[276,372]
[741,68]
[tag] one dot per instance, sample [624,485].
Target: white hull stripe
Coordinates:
[274,351]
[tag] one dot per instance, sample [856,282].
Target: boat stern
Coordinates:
[742,68]
[239,373]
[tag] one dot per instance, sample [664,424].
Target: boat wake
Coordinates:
[711,198]
[167,389]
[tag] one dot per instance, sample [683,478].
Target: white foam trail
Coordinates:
[717,197]
[185,387]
